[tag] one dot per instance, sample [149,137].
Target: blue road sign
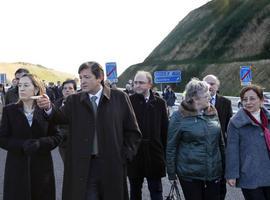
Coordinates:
[111,71]
[245,75]
[3,78]
[167,76]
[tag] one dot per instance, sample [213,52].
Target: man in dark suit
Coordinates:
[224,109]
[103,137]
[149,163]
[12,95]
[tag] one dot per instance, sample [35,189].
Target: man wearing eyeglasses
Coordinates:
[149,163]
[224,109]
[12,95]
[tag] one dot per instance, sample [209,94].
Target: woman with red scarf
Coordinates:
[248,146]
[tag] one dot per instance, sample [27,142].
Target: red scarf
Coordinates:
[263,125]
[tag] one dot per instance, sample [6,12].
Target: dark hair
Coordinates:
[257,89]
[21,70]
[96,69]
[70,81]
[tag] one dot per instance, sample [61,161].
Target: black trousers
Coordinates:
[201,190]
[261,193]
[154,186]
[223,189]
[94,185]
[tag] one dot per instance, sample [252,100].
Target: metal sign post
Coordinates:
[3,78]
[111,72]
[245,75]
[167,76]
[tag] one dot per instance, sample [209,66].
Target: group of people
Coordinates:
[105,136]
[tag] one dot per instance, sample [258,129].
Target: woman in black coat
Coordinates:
[69,87]
[28,139]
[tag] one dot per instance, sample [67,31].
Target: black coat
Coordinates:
[25,175]
[153,122]
[224,109]
[170,98]
[118,139]
[12,96]
[64,130]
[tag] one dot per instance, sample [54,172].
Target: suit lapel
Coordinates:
[217,103]
[86,101]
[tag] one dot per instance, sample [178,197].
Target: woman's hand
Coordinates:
[231,182]
[44,102]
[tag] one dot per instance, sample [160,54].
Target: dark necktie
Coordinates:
[212,101]
[95,143]
[94,104]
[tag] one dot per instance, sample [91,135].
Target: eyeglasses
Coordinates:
[211,83]
[251,99]
[139,82]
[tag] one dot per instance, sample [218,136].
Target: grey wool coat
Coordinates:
[247,156]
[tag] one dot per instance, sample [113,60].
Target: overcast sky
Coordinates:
[62,34]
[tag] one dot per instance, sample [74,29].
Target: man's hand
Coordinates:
[231,182]
[44,102]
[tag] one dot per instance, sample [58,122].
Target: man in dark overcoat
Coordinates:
[12,95]
[104,135]
[224,109]
[149,163]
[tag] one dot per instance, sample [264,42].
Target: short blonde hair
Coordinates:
[195,87]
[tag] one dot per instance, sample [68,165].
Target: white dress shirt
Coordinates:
[98,95]
[213,100]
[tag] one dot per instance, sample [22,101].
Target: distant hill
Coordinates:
[216,38]
[42,72]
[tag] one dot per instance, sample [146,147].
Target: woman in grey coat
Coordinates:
[248,145]
[195,149]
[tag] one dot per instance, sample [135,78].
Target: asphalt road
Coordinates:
[233,193]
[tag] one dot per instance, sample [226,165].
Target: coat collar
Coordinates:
[105,93]
[151,99]
[187,110]
[241,119]
[37,114]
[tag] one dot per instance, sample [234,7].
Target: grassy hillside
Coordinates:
[227,72]
[222,30]
[42,72]
[216,38]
